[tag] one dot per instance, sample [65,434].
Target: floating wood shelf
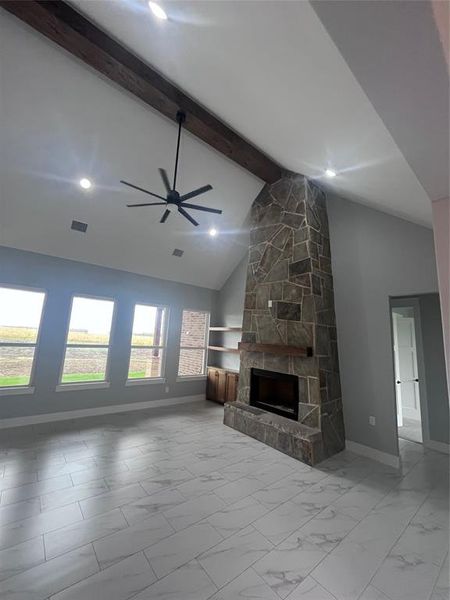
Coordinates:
[276,349]
[223,349]
[225,328]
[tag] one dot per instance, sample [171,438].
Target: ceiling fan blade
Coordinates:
[165,215]
[204,208]
[165,179]
[187,215]
[141,189]
[147,204]
[197,192]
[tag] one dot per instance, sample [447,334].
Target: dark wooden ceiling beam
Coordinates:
[68,28]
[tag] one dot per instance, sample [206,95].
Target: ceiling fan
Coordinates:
[172,195]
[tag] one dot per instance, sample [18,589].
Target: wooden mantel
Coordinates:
[276,349]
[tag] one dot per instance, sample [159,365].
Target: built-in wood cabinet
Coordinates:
[221,385]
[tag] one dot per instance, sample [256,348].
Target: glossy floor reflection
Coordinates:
[411,430]
[169,504]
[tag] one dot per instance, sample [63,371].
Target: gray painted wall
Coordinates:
[229,312]
[374,256]
[435,371]
[64,278]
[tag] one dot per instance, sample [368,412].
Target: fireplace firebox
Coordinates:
[274,392]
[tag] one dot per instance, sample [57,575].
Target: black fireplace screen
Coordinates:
[274,392]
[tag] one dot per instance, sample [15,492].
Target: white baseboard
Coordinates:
[437,446]
[101,410]
[378,455]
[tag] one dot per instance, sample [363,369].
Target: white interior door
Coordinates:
[407,381]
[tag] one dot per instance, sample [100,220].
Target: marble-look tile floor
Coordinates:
[411,430]
[170,504]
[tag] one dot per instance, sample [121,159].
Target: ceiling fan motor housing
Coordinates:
[173,197]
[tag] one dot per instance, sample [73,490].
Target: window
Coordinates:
[20,318]
[87,346]
[148,342]
[193,343]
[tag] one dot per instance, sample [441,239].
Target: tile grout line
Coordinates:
[401,534]
[437,579]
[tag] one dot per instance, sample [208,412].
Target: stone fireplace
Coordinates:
[289,327]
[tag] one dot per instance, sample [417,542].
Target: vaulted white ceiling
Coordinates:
[60,122]
[272,72]
[398,52]
[268,69]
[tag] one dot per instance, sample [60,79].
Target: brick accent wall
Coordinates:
[194,329]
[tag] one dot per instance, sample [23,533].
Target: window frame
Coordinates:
[29,388]
[80,385]
[149,380]
[205,347]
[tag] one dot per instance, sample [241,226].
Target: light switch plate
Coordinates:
[372,421]
[269,303]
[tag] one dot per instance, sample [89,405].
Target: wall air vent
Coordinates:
[79,226]
[177,252]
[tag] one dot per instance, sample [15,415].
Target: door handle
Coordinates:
[398,381]
[416,380]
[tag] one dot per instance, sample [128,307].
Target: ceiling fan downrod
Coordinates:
[172,195]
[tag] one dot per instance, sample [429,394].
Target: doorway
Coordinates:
[406,367]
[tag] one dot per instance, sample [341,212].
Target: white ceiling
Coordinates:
[395,52]
[271,71]
[268,69]
[60,121]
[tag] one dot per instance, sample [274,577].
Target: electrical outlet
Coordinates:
[269,303]
[167,389]
[372,421]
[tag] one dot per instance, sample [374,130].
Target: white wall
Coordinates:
[374,256]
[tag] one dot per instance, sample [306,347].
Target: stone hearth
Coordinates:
[290,268]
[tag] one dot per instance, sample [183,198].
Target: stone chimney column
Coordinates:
[289,301]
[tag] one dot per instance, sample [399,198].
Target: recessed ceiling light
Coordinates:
[213,232]
[157,11]
[330,173]
[86,184]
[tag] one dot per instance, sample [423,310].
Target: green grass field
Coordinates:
[13,381]
[12,370]
[80,377]
[72,378]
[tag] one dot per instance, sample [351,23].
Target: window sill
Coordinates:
[16,391]
[92,385]
[191,378]
[147,381]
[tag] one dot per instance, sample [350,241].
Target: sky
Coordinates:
[20,308]
[92,315]
[144,319]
